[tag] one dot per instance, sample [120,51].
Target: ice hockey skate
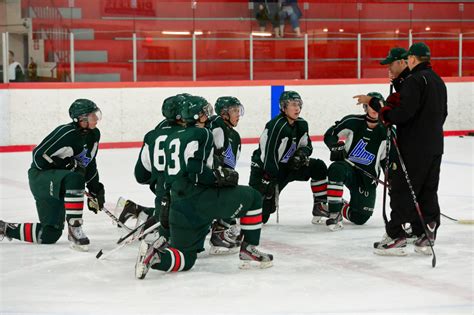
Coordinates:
[78,240]
[148,254]
[128,209]
[422,244]
[223,239]
[3,230]
[391,247]
[320,213]
[334,223]
[251,256]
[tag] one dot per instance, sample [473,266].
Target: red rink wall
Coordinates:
[29,111]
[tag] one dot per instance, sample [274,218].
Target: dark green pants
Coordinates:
[193,208]
[58,194]
[316,170]
[362,200]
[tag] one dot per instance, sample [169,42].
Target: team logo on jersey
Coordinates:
[229,157]
[289,153]
[360,155]
[82,158]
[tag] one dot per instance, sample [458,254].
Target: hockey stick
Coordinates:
[415,201]
[107,212]
[387,165]
[378,180]
[133,231]
[460,221]
[385,171]
[100,255]
[277,200]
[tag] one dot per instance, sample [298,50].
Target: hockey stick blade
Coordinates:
[459,221]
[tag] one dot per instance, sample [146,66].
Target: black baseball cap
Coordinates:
[394,54]
[418,49]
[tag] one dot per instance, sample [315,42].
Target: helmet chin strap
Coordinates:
[370,119]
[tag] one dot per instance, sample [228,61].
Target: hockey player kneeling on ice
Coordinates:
[200,194]
[283,156]
[364,146]
[225,232]
[150,167]
[63,164]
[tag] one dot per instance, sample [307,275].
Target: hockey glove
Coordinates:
[338,152]
[383,115]
[68,163]
[165,210]
[298,160]
[226,177]
[267,186]
[96,200]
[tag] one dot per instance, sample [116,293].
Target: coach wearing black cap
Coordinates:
[397,66]
[419,120]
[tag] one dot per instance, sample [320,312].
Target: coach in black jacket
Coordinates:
[419,120]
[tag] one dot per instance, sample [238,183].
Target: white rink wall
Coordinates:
[28,115]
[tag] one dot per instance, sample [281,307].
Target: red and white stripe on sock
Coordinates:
[252,220]
[345,211]
[335,190]
[28,232]
[74,204]
[177,259]
[319,189]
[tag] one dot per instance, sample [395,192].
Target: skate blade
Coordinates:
[335,227]
[140,268]
[218,250]
[79,248]
[252,264]
[120,205]
[318,220]
[425,250]
[390,252]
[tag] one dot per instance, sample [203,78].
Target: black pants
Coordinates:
[423,171]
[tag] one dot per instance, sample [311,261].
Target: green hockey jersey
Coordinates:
[227,144]
[278,143]
[69,141]
[364,146]
[189,154]
[150,166]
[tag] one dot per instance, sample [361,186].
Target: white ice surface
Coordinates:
[315,270]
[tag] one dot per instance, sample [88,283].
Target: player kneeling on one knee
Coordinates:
[283,156]
[356,163]
[62,165]
[200,194]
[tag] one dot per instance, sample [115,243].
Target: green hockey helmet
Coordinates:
[288,96]
[223,104]
[376,95]
[171,106]
[192,107]
[81,108]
